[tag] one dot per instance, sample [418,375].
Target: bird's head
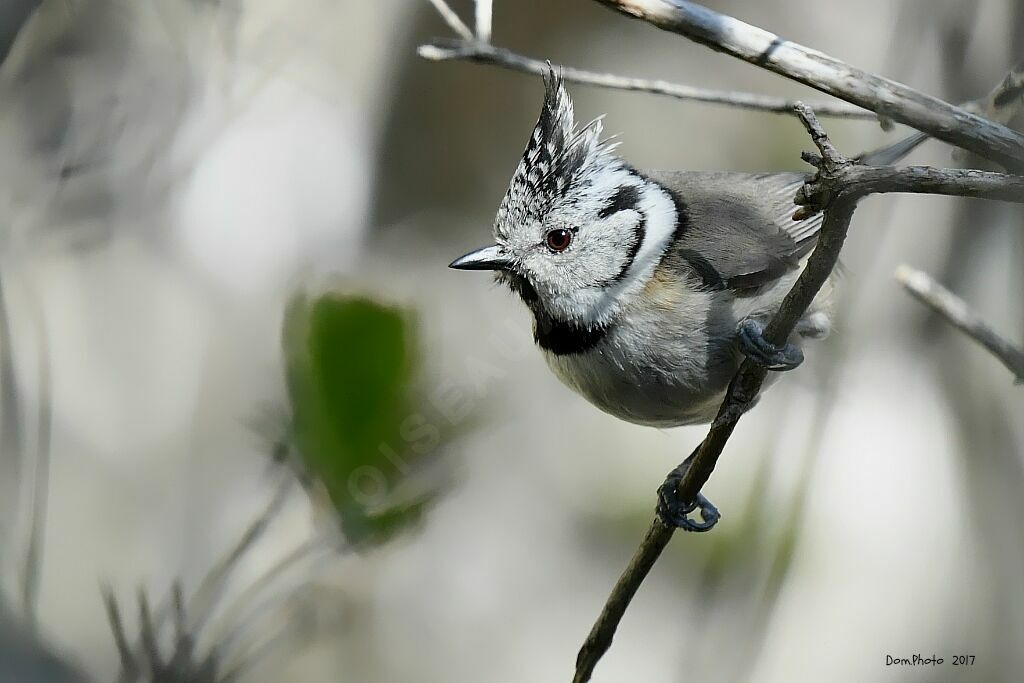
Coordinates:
[578,227]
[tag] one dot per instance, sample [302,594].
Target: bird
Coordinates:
[648,288]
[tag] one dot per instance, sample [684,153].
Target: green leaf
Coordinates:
[351,369]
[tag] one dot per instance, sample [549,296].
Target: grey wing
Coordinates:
[739,231]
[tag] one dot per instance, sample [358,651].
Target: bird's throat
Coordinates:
[556,336]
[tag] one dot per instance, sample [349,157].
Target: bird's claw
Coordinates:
[675,513]
[758,349]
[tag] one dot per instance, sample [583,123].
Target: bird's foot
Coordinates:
[758,349]
[675,513]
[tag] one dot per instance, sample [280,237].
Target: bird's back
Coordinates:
[737,232]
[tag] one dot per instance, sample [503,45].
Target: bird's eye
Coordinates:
[558,239]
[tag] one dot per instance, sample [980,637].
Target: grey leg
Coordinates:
[761,351]
[675,512]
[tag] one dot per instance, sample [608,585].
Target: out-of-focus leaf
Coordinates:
[351,368]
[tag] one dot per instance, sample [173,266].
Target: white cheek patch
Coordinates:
[657,211]
[608,246]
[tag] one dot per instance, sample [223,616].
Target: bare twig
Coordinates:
[147,633]
[452,19]
[1002,105]
[858,180]
[955,310]
[887,98]
[212,587]
[482,13]
[129,667]
[12,436]
[41,474]
[442,50]
[184,641]
[741,393]
[250,601]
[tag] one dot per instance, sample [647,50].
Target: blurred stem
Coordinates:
[41,475]
[212,587]
[452,19]
[12,439]
[245,611]
[483,13]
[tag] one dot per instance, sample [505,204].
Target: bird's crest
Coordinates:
[557,156]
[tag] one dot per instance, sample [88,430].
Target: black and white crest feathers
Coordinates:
[557,156]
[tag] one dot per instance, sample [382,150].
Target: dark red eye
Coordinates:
[559,239]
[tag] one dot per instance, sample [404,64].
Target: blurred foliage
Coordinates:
[352,368]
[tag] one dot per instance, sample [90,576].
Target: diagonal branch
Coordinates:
[447,49]
[740,395]
[887,98]
[482,13]
[836,187]
[956,311]
[452,19]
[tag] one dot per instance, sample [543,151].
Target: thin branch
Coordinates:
[452,19]
[310,551]
[889,99]
[1001,105]
[956,311]
[213,585]
[12,436]
[148,634]
[482,13]
[443,50]
[858,180]
[129,667]
[41,476]
[740,396]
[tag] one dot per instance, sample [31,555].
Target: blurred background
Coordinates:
[249,416]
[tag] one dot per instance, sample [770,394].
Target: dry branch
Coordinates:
[956,311]
[483,11]
[452,19]
[445,49]
[889,99]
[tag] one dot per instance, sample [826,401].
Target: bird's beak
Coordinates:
[487,258]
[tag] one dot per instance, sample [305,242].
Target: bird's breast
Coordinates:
[655,368]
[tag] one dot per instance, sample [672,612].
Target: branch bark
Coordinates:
[449,49]
[889,99]
[452,19]
[859,180]
[955,310]
[836,188]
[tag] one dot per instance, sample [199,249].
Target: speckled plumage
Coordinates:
[639,314]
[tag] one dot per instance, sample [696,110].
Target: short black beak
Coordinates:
[488,258]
